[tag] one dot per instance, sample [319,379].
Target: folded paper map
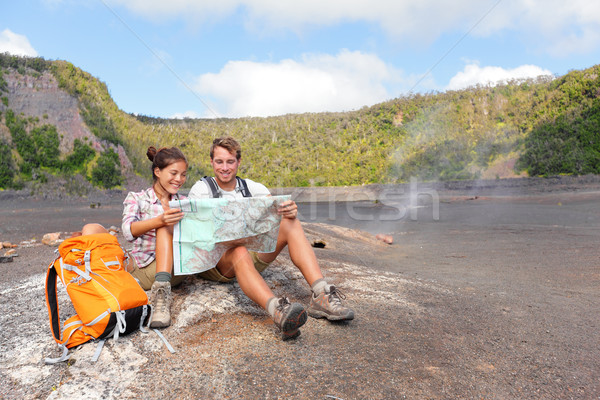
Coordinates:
[212,226]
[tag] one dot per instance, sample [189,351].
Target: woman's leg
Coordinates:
[164,249]
[160,293]
[90,229]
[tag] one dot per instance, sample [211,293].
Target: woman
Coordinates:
[148,223]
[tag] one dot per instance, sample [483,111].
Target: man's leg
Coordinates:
[326,300]
[302,255]
[238,262]
[289,317]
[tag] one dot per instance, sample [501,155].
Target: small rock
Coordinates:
[11,252]
[5,259]
[8,245]
[28,243]
[385,238]
[51,239]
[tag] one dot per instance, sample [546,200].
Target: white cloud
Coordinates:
[575,43]
[193,10]
[16,44]
[317,83]
[473,74]
[543,22]
[557,27]
[423,20]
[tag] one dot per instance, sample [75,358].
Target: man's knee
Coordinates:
[234,261]
[290,227]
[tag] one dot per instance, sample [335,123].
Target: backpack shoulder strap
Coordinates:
[243,187]
[212,185]
[52,302]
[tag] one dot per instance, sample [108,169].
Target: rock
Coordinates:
[319,244]
[8,245]
[385,238]
[4,259]
[51,239]
[11,252]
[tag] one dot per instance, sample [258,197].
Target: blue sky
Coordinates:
[236,58]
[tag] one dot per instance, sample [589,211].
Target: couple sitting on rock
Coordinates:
[148,223]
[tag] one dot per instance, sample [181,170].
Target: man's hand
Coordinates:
[288,209]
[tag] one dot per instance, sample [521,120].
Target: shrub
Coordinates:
[100,125]
[82,153]
[46,142]
[107,173]
[568,145]
[7,169]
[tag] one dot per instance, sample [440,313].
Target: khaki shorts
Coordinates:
[145,276]
[214,274]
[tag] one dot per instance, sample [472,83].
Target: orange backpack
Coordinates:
[107,299]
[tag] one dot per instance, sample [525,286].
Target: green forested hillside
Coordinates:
[542,127]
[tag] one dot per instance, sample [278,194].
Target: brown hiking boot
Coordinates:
[289,317]
[328,304]
[160,298]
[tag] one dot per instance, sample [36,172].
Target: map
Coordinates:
[211,226]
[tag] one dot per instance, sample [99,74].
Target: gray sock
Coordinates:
[162,277]
[271,304]
[319,286]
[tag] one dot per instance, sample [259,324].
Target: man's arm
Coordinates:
[287,209]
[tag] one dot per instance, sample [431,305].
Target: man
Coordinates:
[238,262]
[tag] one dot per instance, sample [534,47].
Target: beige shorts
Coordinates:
[145,276]
[214,274]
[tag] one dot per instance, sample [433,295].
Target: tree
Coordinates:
[107,173]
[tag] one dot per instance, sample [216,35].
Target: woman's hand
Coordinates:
[288,209]
[171,216]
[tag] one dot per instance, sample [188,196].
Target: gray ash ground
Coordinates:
[498,299]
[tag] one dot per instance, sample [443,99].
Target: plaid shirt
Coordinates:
[139,206]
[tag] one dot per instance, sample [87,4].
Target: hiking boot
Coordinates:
[289,317]
[160,298]
[328,304]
